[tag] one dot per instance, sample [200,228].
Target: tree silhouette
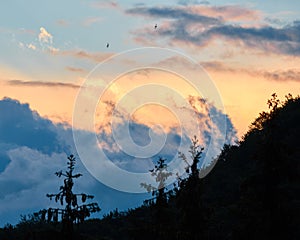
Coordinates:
[73,212]
[195,151]
[161,174]
[161,218]
[189,197]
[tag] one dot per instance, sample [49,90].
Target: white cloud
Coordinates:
[53,49]
[46,41]
[30,176]
[21,45]
[45,36]
[31,46]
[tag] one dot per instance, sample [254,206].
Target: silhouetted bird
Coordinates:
[107,45]
[155,26]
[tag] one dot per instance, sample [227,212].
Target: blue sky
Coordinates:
[52,50]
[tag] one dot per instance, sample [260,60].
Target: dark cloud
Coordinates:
[32,149]
[41,84]
[199,26]
[264,33]
[4,159]
[22,127]
[24,133]
[177,30]
[283,40]
[174,13]
[288,75]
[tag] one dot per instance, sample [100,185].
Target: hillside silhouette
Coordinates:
[253,192]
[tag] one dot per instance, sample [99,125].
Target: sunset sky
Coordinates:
[250,49]
[51,51]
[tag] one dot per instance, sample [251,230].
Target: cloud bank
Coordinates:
[32,148]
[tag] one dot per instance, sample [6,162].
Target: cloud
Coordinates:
[288,75]
[81,54]
[22,127]
[21,45]
[191,2]
[249,34]
[275,21]
[74,69]
[91,20]
[178,24]
[62,22]
[205,115]
[46,41]
[45,36]
[104,4]
[173,13]
[228,14]
[27,31]
[139,133]
[41,84]
[31,46]
[278,75]
[285,40]
[216,66]
[200,14]
[32,148]
[53,50]
[200,25]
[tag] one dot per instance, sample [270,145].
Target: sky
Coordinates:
[207,69]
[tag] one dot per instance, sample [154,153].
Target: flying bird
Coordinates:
[155,26]
[107,45]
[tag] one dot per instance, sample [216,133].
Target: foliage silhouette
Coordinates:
[73,212]
[160,217]
[192,210]
[161,174]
